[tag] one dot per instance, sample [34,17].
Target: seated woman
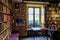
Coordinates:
[52,29]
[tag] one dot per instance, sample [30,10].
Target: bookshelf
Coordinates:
[23,13]
[20,18]
[5,19]
[52,14]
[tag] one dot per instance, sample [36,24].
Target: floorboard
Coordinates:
[16,37]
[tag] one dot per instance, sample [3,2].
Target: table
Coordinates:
[35,30]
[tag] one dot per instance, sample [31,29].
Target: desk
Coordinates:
[35,30]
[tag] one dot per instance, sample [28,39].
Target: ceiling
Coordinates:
[18,0]
[51,1]
[37,0]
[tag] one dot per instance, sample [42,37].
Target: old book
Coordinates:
[1,17]
[0,7]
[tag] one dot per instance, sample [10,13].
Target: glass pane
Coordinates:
[30,20]
[30,23]
[37,22]
[30,17]
[36,17]
[30,10]
[37,11]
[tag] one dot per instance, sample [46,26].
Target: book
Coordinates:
[0,0]
[5,2]
[0,7]
[6,18]
[1,17]
[8,11]
[1,27]
[4,9]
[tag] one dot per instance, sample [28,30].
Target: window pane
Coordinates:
[30,20]
[30,10]
[37,11]
[36,17]
[30,17]
[37,23]
[30,23]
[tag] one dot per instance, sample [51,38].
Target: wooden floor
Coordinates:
[15,37]
[36,38]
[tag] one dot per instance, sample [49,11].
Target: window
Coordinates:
[34,17]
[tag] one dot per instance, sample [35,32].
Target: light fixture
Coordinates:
[55,15]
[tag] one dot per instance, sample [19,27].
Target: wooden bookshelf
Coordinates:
[20,18]
[52,15]
[5,19]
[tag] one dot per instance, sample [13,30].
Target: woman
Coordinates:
[52,29]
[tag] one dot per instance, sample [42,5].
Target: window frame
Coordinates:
[34,15]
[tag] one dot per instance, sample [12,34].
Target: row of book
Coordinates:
[4,19]
[5,2]
[4,9]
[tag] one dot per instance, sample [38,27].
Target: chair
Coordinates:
[43,32]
